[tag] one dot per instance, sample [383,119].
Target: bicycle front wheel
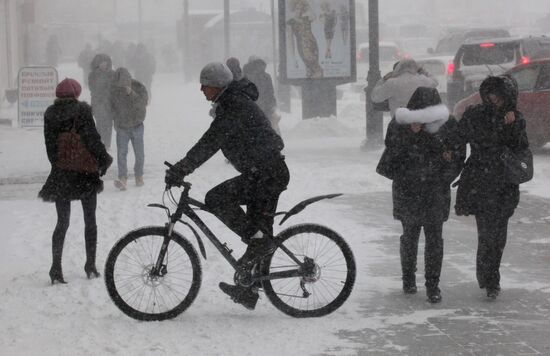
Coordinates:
[148,296]
[327,278]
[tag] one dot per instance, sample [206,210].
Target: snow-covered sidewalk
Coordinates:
[324,157]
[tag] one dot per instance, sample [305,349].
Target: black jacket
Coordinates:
[482,188]
[255,72]
[240,130]
[421,184]
[68,185]
[100,81]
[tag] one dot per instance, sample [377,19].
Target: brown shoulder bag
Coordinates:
[72,154]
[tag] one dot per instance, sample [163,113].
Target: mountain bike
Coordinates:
[154,272]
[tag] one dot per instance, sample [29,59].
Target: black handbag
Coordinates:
[518,166]
[386,167]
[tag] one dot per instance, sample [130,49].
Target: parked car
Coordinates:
[533,80]
[451,42]
[476,59]
[437,67]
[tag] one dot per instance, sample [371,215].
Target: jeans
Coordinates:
[123,135]
[491,233]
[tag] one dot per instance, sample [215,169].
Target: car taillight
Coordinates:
[486,45]
[525,60]
[450,69]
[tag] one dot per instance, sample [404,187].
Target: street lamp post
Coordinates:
[374,129]
[226,29]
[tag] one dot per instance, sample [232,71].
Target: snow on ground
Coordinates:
[79,318]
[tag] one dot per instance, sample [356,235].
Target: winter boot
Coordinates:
[409,284]
[91,247]
[434,295]
[242,295]
[257,249]
[139,181]
[120,183]
[492,293]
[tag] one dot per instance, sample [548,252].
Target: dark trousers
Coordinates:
[259,192]
[63,208]
[433,252]
[491,232]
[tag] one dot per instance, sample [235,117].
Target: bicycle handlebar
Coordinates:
[182,183]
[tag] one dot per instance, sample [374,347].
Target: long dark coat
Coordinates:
[482,188]
[68,185]
[255,72]
[421,184]
[240,130]
[100,81]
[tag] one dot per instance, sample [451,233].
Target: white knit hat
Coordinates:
[216,75]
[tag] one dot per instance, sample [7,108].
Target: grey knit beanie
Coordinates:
[216,75]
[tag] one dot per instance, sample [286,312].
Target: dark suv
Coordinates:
[475,60]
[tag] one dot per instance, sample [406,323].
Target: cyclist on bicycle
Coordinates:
[244,135]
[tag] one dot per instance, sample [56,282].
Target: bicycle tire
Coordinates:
[114,286]
[332,239]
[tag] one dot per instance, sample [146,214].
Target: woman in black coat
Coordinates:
[423,161]
[482,189]
[62,185]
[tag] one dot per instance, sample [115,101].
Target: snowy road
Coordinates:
[323,155]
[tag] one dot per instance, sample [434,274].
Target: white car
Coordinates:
[437,66]
[389,53]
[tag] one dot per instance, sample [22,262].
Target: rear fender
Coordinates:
[303,204]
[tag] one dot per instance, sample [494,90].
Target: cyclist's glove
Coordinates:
[176,173]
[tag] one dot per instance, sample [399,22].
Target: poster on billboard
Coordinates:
[317,40]
[36,93]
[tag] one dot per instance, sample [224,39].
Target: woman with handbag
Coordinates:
[422,161]
[78,159]
[485,190]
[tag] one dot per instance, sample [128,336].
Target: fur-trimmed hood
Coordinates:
[433,117]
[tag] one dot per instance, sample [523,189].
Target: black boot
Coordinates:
[492,293]
[257,249]
[56,275]
[91,246]
[242,295]
[409,284]
[434,295]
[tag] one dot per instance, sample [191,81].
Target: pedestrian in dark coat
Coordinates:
[128,104]
[144,66]
[243,134]
[255,71]
[424,160]
[63,186]
[482,190]
[53,51]
[85,60]
[100,81]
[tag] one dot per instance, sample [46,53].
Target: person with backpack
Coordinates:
[129,99]
[75,174]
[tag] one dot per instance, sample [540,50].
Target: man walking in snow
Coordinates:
[128,104]
[244,135]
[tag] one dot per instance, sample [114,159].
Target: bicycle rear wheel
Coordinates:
[143,295]
[329,280]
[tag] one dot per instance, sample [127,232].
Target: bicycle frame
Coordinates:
[184,208]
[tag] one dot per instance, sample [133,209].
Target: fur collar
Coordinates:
[433,117]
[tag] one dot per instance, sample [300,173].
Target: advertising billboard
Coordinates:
[36,93]
[317,40]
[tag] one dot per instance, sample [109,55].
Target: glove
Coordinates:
[175,174]
[103,168]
